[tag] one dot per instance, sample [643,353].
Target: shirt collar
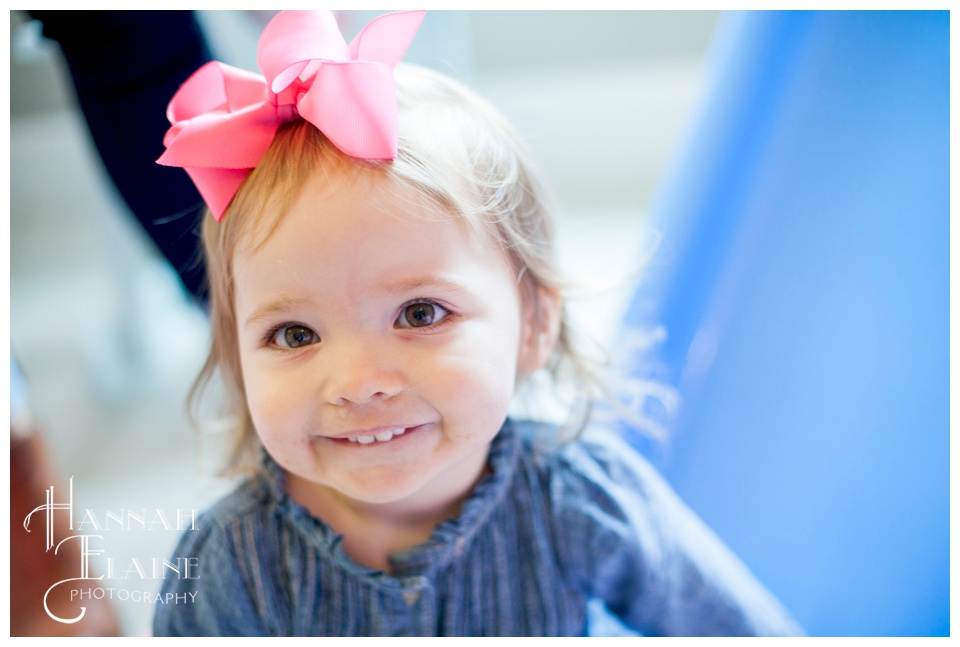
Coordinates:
[449,539]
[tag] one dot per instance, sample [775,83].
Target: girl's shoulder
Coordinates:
[606,493]
[598,463]
[237,549]
[216,536]
[255,503]
[248,496]
[222,548]
[624,536]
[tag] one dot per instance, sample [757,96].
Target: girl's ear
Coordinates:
[542,313]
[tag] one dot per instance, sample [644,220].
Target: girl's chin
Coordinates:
[368,487]
[417,491]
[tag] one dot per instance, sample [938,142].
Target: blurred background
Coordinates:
[782,180]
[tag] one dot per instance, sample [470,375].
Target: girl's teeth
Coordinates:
[382,437]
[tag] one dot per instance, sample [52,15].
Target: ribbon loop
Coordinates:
[223,119]
[386,38]
[294,38]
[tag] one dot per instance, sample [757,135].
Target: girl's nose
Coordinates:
[357,372]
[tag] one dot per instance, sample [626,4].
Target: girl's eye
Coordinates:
[419,315]
[294,336]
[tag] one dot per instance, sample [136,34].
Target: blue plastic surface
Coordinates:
[803,281]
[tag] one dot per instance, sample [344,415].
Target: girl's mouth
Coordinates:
[381,437]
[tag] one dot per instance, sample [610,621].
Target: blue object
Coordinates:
[803,283]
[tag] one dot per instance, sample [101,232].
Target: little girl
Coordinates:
[381,280]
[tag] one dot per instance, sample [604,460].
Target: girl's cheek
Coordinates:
[269,400]
[475,379]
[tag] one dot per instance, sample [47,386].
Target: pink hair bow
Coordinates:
[224,118]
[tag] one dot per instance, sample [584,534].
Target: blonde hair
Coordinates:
[454,148]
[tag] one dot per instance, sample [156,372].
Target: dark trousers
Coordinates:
[126,65]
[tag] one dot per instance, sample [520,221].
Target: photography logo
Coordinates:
[92,557]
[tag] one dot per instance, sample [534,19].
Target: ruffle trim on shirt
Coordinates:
[452,537]
[448,540]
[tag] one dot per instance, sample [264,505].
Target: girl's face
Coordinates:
[380,343]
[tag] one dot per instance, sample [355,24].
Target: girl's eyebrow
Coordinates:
[428,282]
[282,305]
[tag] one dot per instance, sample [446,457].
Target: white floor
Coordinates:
[110,346]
